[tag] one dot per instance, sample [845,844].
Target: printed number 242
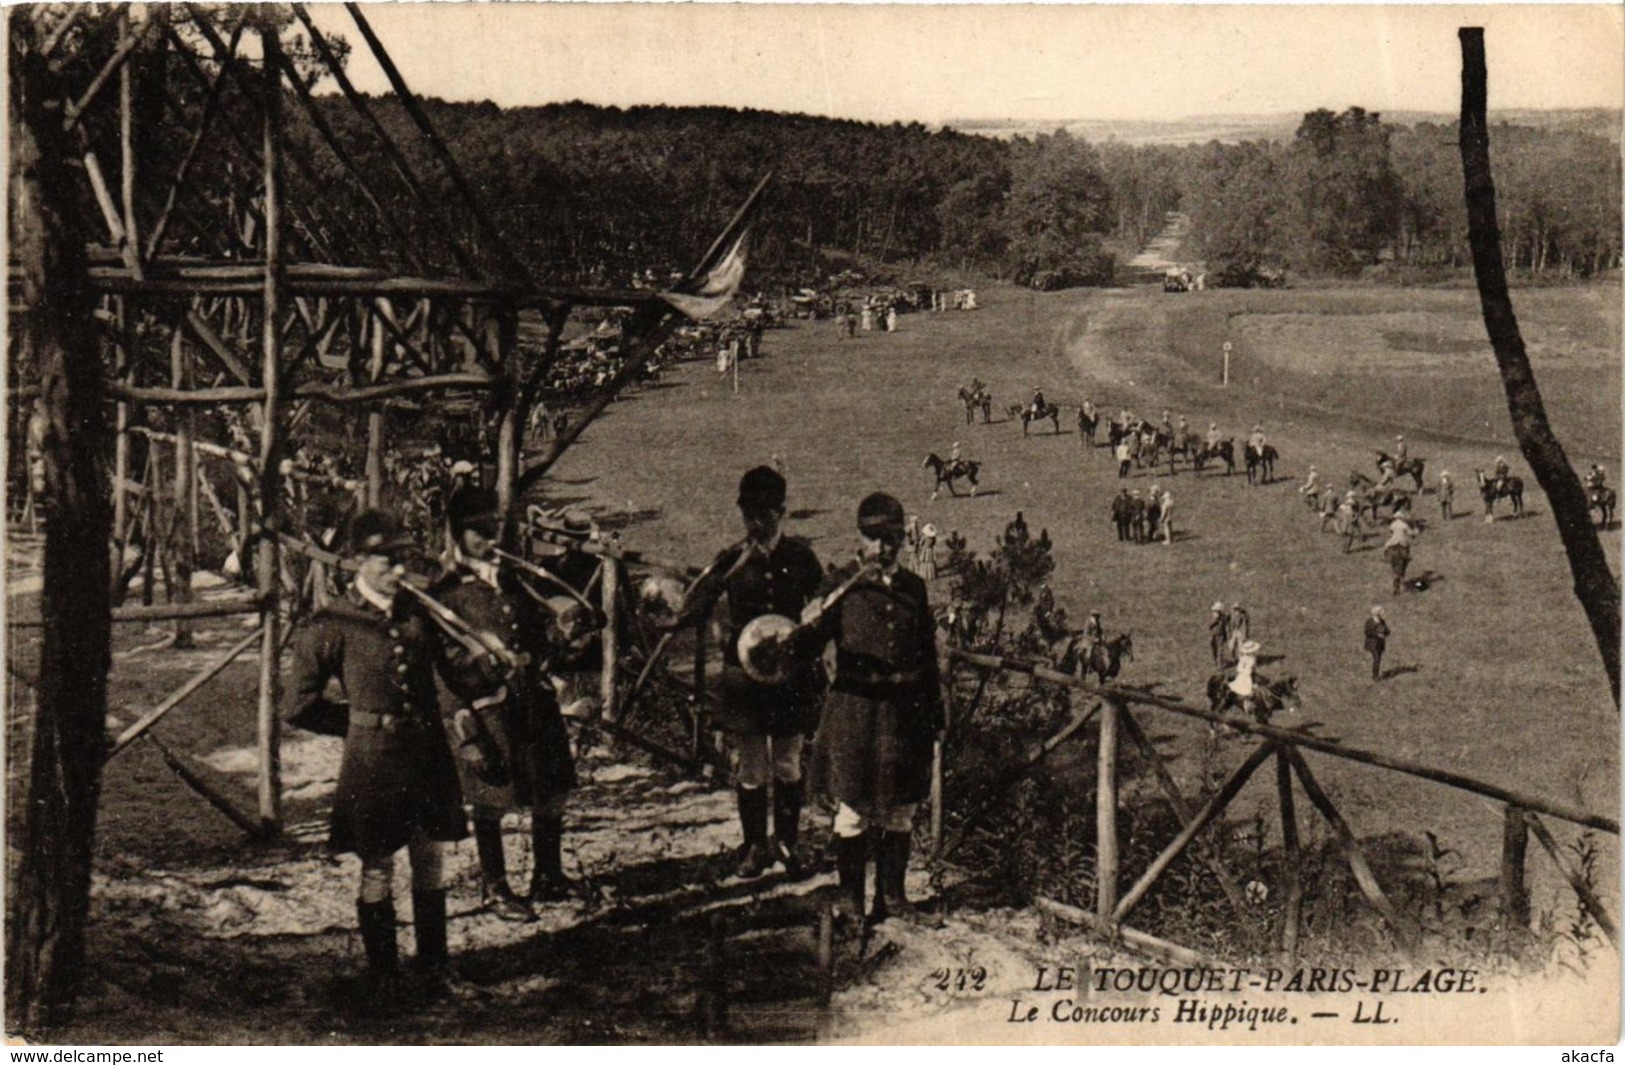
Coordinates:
[959,980]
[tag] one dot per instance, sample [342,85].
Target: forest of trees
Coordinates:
[587,192]
[581,188]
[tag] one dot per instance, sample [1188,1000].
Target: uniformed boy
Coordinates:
[514,751]
[397,785]
[882,715]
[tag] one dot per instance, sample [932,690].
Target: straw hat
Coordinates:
[1250,647]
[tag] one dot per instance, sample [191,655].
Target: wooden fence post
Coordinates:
[1106,815]
[1514,889]
[610,597]
[1293,856]
[269,725]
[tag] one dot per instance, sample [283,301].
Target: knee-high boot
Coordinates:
[754,856]
[787,799]
[851,867]
[895,847]
[495,891]
[548,882]
[377,924]
[429,924]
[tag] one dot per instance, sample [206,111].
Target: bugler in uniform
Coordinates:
[397,783]
[515,752]
[882,715]
[769,573]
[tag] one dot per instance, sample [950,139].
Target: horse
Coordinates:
[1373,498]
[1268,697]
[1048,410]
[974,399]
[1104,660]
[1224,451]
[1491,490]
[948,472]
[1086,427]
[1602,498]
[1261,463]
[1413,467]
[1181,446]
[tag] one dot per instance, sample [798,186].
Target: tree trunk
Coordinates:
[49,897]
[1594,584]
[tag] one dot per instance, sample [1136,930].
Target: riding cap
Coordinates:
[378,532]
[472,507]
[762,486]
[577,521]
[880,514]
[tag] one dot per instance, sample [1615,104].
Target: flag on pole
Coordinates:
[716,280]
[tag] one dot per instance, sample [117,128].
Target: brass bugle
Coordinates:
[474,640]
[770,631]
[531,569]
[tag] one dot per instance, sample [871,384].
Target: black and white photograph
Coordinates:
[646,524]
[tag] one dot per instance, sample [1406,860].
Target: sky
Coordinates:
[1027,62]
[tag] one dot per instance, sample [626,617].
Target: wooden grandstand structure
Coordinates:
[143,290]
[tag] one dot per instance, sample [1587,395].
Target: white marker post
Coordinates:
[1225,379]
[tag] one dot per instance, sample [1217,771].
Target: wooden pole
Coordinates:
[127,173]
[121,442]
[1299,740]
[48,889]
[183,550]
[610,593]
[1211,809]
[1106,816]
[1139,940]
[501,339]
[1514,847]
[270,481]
[1588,897]
[1181,808]
[1363,876]
[181,694]
[1292,854]
[375,413]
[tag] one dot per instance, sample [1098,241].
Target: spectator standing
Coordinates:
[1447,495]
[1376,640]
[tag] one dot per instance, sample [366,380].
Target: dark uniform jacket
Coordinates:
[397,777]
[884,706]
[523,721]
[1376,634]
[781,582]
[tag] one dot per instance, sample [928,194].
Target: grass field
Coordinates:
[1497,673]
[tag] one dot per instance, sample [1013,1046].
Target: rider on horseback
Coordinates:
[1401,451]
[1094,633]
[1256,441]
[1243,685]
[1596,478]
[1212,435]
[1386,480]
[1502,472]
[1038,406]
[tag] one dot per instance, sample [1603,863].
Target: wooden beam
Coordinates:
[75,111]
[1352,850]
[1163,948]
[184,692]
[1514,887]
[1210,809]
[1297,739]
[1588,897]
[217,346]
[1181,808]
[1292,856]
[210,104]
[510,263]
[465,260]
[1106,907]
[270,465]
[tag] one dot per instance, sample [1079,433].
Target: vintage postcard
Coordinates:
[628,524]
